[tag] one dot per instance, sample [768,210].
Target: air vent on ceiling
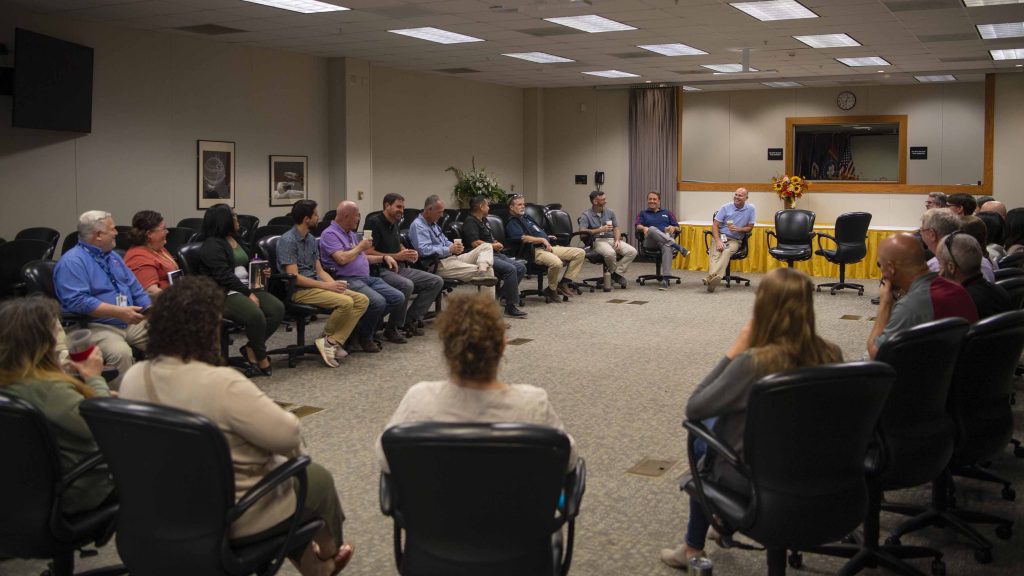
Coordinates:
[961,37]
[210,29]
[457,70]
[978,58]
[915,5]
[630,55]
[552,31]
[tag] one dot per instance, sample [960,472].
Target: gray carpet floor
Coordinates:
[619,374]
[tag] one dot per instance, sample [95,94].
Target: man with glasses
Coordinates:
[522,228]
[961,204]
[937,223]
[960,257]
[935,200]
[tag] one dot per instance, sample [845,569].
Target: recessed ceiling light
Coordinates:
[540,57]
[1007,54]
[728,68]
[865,61]
[827,40]
[673,49]
[782,84]
[591,23]
[304,6]
[976,3]
[1004,30]
[612,74]
[937,78]
[691,89]
[436,35]
[774,10]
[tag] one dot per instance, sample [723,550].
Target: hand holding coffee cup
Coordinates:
[80,344]
[608,226]
[457,247]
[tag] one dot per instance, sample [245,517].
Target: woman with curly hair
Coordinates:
[183,372]
[781,336]
[30,370]
[473,332]
[148,257]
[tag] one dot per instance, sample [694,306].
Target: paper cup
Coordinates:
[80,344]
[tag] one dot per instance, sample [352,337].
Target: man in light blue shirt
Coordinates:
[475,266]
[731,223]
[92,280]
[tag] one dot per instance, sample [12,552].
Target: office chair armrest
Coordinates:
[698,430]
[769,235]
[68,319]
[93,460]
[387,504]
[282,284]
[821,235]
[575,485]
[293,468]
[708,235]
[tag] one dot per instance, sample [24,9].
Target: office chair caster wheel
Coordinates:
[640,281]
[1004,531]
[288,328]
[795,559]
[983,556]
[938,568]
[893,541]
[1009,494]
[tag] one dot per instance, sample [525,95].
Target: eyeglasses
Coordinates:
[949,247]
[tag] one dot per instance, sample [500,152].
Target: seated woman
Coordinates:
[1013,231]
[30,370]
[226,260]
[473,332]
[183,372]
[148,259]
[781,336]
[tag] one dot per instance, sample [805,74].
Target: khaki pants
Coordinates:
[346,309]
[477,262]
[606,248]
[719,261]
[116,345]
[553,260]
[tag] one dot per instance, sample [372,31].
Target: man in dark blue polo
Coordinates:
[660,227]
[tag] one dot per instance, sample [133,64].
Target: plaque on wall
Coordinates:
[775,153]
[918,152]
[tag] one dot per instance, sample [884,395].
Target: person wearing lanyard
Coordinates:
[92,280]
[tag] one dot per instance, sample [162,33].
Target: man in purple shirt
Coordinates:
[343,255]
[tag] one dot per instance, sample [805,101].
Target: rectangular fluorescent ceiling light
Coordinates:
[691,89]
[774,10]
[591,23]
[612,74]
[436,35]
[728,68]
[303,6]
[977,3]
[1006,30]
[673,49]
[866,61]
[540,57]
[1008,54]
[939,78]
[782,84]
[827,40]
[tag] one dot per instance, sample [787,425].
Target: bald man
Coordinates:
[911,294]
[994,206]
[731,223]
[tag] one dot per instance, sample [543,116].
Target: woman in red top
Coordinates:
[148,258]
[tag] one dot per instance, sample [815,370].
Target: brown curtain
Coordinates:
[653,146]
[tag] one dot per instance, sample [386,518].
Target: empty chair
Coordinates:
[48,235]
[178,237]
[193,223]
[476,498]
[13,256]
[285,220]
[793,232]
[123,241]
[408,215]
[1015,286]
[538,213]
[70,240]
[265,231]
[850,247]
[247,224]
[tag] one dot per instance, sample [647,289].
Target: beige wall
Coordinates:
[1008,167]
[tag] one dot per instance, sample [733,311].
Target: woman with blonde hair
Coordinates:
[781,336]
[473,332]
[30,370]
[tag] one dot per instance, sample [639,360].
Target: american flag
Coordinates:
[846,168]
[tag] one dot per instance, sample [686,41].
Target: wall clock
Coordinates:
[846,100]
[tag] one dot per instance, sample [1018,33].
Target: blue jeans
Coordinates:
[698,524]
[383,300]
[510,272]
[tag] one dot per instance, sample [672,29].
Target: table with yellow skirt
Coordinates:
[759,260]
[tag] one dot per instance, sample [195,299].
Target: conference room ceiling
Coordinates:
[917,37]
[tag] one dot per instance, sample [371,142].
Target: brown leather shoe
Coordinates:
[552,294]
[564,290]
[394,336]
[368,345]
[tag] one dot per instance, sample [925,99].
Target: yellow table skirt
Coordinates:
[759,260]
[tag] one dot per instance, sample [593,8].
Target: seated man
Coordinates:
[476,231]
[474,266]
[607,237]
[660,227]
[960,257]
[299,254]
[91,279]
[342,254]
[961,204]
[941,222]
[910,294]
[387,241]
[522,228]
[732,222]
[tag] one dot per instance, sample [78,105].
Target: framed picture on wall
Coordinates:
[215,170]
[288,179]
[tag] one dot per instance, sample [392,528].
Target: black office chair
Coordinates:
[1004,273]
[408,215]
[914,440]
[1015,286]
[48,235]
[31,491]
[538,213]
[740,254]
[653,254]
[807,432]
[476,498]
[123,241]
[69,242]
[282,221]
[38,278]
[851,247]
[176,484]
[979,403]
[560,225]
[264,231]
[794,230]
[178,237]
[193,223]
[1015,260]
[453,230]
[247,224]
[13,256]
[187,257]
[525,251]
[594,257]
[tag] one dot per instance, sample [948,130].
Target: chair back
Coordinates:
[538,213]
[193,223]
[1015,260]
[794,227]
[175,482]
[408,215]
[282,221]
[979,399]
[70,241]
[188,258]
[1014,285]
[806,435]
[497,226]
[916,430]
[499,209]
[371,217]
[38,277]
[560,225]
[267,248]
[851,236]
[264,231]
[1004,273]
[48,235]
[178,237]
[247,224]
[453,230]
[13,256]
[476,498]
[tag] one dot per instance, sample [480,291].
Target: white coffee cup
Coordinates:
[368,235]
[607,222]
[457,241]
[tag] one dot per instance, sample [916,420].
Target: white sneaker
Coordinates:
[327,352]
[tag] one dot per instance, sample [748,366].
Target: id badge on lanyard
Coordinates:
[121,300]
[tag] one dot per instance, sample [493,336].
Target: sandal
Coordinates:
[245,350]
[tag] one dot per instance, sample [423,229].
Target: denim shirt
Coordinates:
[86,277]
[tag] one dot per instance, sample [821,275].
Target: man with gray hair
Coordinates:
[960,258]
[475,266]
[92,280]
[935,200]
[937,223]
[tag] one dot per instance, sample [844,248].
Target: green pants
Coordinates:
[322,500]
[259,321]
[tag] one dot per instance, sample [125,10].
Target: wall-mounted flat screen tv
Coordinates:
[52,83]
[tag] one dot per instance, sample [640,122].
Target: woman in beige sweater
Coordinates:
[183,372]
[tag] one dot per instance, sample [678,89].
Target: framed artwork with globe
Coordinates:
[215,169]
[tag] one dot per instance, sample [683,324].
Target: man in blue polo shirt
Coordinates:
[731,223]
[660,227]
[92,280]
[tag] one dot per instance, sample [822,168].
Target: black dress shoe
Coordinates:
[513,312]
[618,279]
